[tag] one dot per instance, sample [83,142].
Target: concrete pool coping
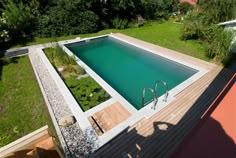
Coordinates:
[136,115]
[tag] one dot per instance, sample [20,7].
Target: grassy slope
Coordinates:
[22,108]
[166,35]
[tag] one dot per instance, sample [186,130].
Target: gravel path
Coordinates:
[75,140]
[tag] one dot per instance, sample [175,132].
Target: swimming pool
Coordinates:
[129,69]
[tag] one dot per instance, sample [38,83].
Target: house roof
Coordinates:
[192,2]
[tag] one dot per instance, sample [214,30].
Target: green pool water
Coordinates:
[129,69]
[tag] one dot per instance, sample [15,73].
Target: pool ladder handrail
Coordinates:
[166,86]
[154,96]
[155,99]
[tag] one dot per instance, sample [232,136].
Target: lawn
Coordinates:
[22,108]
[163,34]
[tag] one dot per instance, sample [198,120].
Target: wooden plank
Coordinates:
[97,130]
[109,117]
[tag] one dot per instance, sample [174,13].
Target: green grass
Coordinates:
[22,108]
[163,34]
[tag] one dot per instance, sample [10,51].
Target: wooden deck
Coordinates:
[107,118]
[159,135]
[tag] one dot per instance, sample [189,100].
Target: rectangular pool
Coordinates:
[129,69]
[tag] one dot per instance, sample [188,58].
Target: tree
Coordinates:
[184,7]
[19,21]
[219,10]
[194,25]
[60,21]
[160,9]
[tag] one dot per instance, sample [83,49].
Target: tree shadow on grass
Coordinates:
[162,138]
[19,41]
[5,61]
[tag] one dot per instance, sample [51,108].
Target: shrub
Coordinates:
[160,9]
[120,23]
[62,57]
[194,26]
[219,43]
[87,92]
[218,10]
[184,7]
[18,19]
[16,24]
[58,57]
[4,32]
[60,21]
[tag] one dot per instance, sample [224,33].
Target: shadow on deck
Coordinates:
[164,137]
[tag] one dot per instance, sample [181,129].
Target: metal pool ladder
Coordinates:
[154,99]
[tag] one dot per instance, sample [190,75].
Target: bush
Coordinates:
[194,26]
[60,20]
[219,44]
[184,7]
[58,57]
[87,92]
[4,32]
[120,23]
[160,9]
[16,24]
[218,10]
[18,19]
[62,57]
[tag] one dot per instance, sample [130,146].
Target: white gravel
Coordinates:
[75,140]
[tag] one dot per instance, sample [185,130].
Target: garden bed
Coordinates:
[87,92]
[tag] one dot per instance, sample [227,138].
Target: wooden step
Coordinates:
[109,117]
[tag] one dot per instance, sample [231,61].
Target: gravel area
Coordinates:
[76,142]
